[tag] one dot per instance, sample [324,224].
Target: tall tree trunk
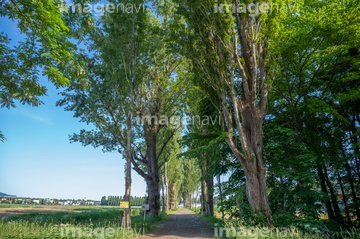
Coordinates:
[355,142]
[348,169]
[153,172]
[154,196]
[251,138]
[197,195]
[167,188]
[163,193]
[324,189]
[345,202]
[126,222]
[221,201]
[203,191]
[282,204]
[190,200]
[185,198]
[210,196]
[333,197]
[173,197]
[176,198]
[238,206]
[249,110]
[252,142]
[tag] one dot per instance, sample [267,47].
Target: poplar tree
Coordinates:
[107,98]
[132,76]
[231,50]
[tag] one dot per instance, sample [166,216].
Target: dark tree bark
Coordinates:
[221,199]
[188,200]
[354,138]
[344,198]
[353,192]
[324,189]
[191,199]
[210,196]
[173,197]
[126,222]
[203,191]
[282,204]
[153,173]
[333,198]
[167,188]
[163,193]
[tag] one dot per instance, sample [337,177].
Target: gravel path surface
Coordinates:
[183,224]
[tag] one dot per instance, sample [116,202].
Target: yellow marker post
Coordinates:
[124,204]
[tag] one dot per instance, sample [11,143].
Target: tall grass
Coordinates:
[90,224]
[235,228]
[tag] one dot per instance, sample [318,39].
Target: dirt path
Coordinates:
[183,224]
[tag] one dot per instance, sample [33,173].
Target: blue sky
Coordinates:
[37,159]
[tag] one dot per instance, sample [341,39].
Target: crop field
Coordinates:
[71,221]
[16,210]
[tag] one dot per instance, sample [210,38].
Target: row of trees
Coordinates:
[284,86]
[310,133]
[314,115]
[115,200]
[134,70]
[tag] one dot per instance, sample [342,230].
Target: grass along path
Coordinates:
[239,229]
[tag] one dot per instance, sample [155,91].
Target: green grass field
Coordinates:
[74,222]
[233,228]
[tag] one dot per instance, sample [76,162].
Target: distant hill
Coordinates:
[6,195]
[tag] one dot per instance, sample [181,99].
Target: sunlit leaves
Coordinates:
[45,48]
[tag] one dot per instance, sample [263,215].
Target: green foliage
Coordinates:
[317,60]
[2,137]
[46,46]
[191,174]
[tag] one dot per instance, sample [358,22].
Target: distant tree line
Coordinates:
[115,200]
